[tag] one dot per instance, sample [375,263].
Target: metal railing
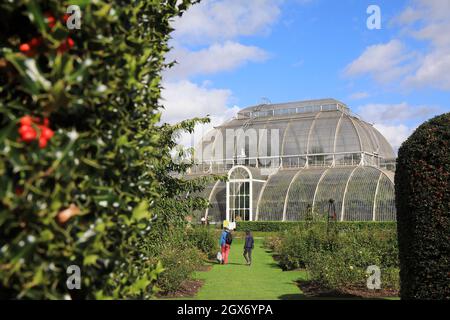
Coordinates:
[295,161]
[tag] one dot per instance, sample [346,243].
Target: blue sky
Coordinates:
[233,53]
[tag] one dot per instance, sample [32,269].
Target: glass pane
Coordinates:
[347,138]
[332,186]
[272,201]
[217,212]
[301,194]
[323,133]
[296,138]
[385,201]
[359,200]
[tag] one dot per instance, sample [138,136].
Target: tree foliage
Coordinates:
[422,187]
[101,182]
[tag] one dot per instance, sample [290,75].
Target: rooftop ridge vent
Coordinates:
[277,112]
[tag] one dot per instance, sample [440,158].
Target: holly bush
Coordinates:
[84,164]
[422,191]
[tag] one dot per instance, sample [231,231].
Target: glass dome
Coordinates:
[301,154]
[323,128]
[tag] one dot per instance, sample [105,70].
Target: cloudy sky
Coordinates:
[232,54]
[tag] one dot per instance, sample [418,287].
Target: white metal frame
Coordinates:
[345,193]
[250,181]
[209,199]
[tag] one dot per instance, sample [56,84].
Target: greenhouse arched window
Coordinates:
[239,194]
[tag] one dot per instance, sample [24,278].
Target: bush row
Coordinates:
[178,251]
[338,257]
[274,226]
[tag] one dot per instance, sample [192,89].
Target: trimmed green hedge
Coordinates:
[422,187]
[274,226]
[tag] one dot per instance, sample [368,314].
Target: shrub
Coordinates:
[82,195]
[179,262]
[274,226]
[293,250]
[272,243]
[346,263]
[339,258]
[204,239]
[422,190]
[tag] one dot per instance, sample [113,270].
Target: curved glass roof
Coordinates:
[320,127]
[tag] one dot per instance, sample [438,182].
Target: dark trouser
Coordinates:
[248,255]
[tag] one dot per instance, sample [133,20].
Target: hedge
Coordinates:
[274,226]
[422,187]
[85,166]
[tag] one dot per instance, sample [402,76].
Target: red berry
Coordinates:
[46,122]
[26,121]
[29,135]
[66,17]
[51,21]
[42,142]
[35,42]
[46,133]
[25,128]
[66,45]
[62,48]
[25,48]
[70,42]
[19,191]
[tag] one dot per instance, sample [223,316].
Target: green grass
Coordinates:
[263,280]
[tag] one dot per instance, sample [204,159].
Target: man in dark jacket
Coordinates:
[248,247]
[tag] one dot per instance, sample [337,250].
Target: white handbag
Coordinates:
[219,256]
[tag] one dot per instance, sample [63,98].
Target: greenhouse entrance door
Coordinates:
[239,195]
[242,186]
[239,201]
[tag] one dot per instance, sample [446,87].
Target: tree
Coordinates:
[79,144]
[422,191]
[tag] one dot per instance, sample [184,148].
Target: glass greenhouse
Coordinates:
[284,161]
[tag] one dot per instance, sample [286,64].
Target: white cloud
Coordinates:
[185,99]
[385,62]
[218,20]
[395,113]
[359,95]
[434,71]
[395,134]
[396,121]
[423,20]
[216,58]
[206,41]
[430,21]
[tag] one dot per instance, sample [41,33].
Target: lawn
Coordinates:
[263,280]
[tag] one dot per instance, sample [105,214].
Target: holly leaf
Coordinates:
[141,211]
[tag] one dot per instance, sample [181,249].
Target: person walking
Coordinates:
[248,247]
[225,244]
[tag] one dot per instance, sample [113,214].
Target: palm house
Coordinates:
[285,160]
